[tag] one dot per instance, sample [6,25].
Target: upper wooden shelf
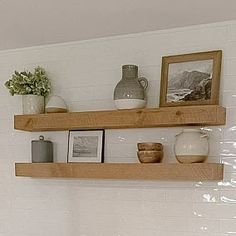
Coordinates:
[131,171]
[117,119]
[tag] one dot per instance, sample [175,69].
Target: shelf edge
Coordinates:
[122,171]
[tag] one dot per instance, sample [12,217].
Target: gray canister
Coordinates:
[41,150]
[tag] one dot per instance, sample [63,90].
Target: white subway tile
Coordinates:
[228,226]
[204,226]
[179,195]
[214,211]
[206,195]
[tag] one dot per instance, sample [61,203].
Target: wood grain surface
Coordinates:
[116,119]
[129,171]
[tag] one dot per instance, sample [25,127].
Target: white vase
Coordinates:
[191,146]
[32,104]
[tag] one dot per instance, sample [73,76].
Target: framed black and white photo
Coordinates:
[191,79]
[86,146]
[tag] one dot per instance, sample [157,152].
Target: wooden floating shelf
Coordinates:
[118,119]
[129,171]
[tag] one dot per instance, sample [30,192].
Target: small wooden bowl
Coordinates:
[150,146]
[150,156]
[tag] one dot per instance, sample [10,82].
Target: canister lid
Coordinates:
[41,139]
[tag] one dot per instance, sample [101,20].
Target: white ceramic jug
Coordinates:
[191,146]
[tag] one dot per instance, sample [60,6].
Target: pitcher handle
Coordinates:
[144,82]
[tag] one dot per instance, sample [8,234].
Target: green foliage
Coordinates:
[25,82]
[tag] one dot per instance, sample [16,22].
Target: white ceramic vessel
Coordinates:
[32,104]
[191,146]
[56,104]
[130,92]
[130,103]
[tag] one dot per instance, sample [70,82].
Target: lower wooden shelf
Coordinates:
[129,171]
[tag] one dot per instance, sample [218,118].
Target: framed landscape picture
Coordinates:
[86,146]
[191,79]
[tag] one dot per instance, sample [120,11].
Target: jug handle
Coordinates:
[144,82]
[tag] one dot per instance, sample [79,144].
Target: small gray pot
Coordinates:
[41,150]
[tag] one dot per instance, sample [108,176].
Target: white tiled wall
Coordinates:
[85,74]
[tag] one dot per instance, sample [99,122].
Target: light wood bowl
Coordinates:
[150,146]
[150,156]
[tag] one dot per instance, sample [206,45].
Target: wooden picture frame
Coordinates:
[191,79]
[86,146]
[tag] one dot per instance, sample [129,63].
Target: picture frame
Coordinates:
[191,79]
[86,146]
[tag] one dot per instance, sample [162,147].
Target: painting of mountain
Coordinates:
[85,146]
[190,81]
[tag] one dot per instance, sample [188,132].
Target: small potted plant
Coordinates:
[33,86]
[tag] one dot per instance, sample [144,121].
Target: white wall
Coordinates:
[85,74]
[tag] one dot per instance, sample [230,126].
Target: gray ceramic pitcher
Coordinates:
[130,91]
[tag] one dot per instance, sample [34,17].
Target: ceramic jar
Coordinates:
[32,104]
[129,93]
[41,150]
[56,104]
[191,146]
